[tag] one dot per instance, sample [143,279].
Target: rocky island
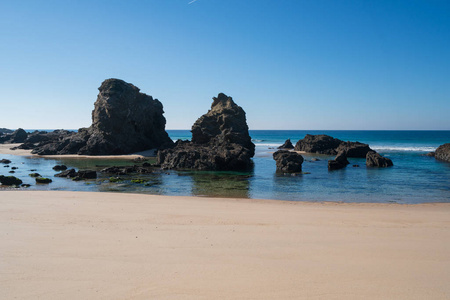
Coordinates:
[220,141]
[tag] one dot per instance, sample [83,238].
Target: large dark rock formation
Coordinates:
[123,121]
[374,159]
[287,161]
[220,141]
[287,145]
[325,144]
[443,152]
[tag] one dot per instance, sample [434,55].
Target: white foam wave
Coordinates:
[404,148]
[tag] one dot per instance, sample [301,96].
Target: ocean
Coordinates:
[414,178]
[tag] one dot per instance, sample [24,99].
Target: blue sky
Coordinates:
[291,64]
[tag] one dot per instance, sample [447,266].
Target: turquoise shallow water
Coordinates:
[413,179]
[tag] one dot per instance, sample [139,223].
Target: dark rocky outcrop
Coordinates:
[353,149]
[339,162]
[123,121]
[220,141]
[287,145]
[5,161]
[10,180]
[18,136]
[443,152]
[374,159]
[322,144]
[325,144]
[288,161]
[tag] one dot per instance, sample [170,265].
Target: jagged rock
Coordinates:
[322,144]
[10,180]
[353,149]
[87,174]
[123,121]
[339,162]
[67,173]
[5,161]
[288,162]
[60,168]
[220,141]
[443,152]
[287,145]
[18,136]
[374,159]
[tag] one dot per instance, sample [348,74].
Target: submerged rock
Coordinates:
[374,159]
[43,180]
[60,168]
[288,162]
[443,152]
[339,162]
[67,173]
[220,141]
[287,145]
[123,121]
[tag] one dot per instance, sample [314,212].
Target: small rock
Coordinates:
[10,180]
[43,180]
[5,161]
[59,168]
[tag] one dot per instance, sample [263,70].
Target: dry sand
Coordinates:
[75,245]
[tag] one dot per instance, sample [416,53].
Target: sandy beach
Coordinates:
[75,245]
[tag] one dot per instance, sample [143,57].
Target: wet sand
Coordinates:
[6,149]
[76,245]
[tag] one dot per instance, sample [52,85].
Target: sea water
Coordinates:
[414,178]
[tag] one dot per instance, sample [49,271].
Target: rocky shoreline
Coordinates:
[124,121]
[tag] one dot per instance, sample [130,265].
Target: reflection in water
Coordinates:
[220,184]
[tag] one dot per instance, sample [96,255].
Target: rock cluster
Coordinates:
[220,141]
[124,121]
[288,161]
[443,152]
[374,159]
[339,162]
[325,144]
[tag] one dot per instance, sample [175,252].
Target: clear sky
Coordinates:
[291,64]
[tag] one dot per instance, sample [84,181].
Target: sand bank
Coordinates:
[75,245]
[5,149]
